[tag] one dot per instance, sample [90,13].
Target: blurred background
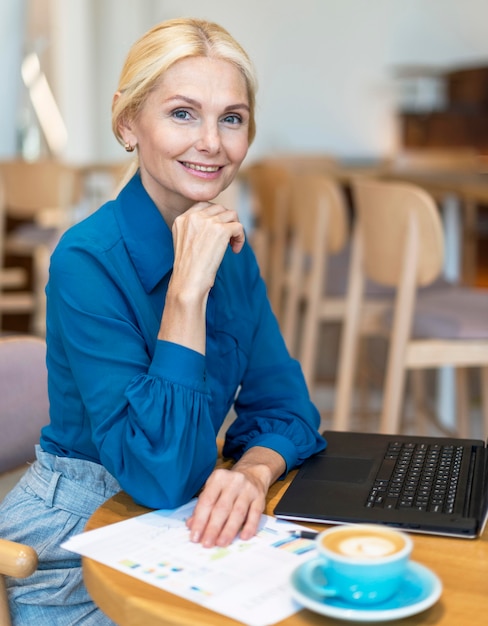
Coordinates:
[389,88]
[334,74]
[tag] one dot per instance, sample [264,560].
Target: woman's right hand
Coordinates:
[200,238]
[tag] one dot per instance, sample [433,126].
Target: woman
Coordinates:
[157,324]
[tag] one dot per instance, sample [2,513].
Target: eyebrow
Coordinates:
[197,105]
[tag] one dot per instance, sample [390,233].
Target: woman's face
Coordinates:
[192,133]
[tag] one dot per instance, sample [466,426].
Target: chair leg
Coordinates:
[396,370]
[363,379]
[462,403]
[310,334]
[394,394]
[289,313]
[419,400]
[4,607]
[308,356]
[41,271]
[350,333]
[484,399]
[469,243]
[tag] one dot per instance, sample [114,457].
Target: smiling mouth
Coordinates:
[201,168]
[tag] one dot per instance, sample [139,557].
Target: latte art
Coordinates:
[368,544]
[367,547]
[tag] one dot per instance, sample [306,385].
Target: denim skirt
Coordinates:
[52,502]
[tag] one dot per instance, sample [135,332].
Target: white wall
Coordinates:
[12,14]
[73,61]
[325,67]
[320,67]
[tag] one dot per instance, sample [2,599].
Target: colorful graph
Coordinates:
[294,544]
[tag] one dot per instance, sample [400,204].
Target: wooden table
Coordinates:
[461,564]
[459,194]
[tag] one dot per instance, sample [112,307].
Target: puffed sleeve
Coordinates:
[144,403]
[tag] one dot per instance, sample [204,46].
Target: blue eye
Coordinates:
[233,119]
[181,114]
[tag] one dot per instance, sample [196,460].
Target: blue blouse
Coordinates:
[149,410]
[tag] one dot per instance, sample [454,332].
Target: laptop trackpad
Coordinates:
[339,469]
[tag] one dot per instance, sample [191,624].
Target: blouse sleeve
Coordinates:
[141,405]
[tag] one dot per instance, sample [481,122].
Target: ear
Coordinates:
[124,125]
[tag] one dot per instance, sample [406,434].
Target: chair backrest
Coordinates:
[398,242]
[313,195]
[23,397]
[269,189]
[16,560]
[318,227]
[387,211]
[32,186]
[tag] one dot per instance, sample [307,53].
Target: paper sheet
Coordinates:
[248,581]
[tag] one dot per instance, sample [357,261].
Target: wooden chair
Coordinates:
[318,225]
[316,274]
[23,397]
[16,560]
[268,185]
[398,242]
[25,406]
[268,181]
[40,197]
[15,298]
[306,271]
[10,277]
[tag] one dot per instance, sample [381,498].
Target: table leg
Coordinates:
[446,388]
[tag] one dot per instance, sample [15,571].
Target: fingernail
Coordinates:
[195,537]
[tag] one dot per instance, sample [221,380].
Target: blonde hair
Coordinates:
[165,44]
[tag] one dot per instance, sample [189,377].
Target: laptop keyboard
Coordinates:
[417,476]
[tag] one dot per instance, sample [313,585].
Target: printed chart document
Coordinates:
[248,581]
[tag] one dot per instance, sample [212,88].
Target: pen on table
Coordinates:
[304,534]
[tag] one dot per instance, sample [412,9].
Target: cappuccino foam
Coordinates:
[362,544]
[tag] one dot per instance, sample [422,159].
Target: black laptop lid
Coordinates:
[334,486]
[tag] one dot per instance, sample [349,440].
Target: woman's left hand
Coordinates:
[232,501]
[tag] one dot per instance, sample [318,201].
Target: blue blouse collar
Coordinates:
[146,234]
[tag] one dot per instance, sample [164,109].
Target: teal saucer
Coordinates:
[420,589]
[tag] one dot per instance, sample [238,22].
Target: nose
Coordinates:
[209,140]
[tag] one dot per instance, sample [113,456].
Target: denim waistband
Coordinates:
[74,485]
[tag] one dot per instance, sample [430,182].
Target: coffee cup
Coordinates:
[361,564]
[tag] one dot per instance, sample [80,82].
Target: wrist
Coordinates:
[186,297]
[263,464]
[183,319]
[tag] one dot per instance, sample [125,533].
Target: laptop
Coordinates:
[434,485]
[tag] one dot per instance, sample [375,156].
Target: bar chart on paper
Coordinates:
[248,580]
